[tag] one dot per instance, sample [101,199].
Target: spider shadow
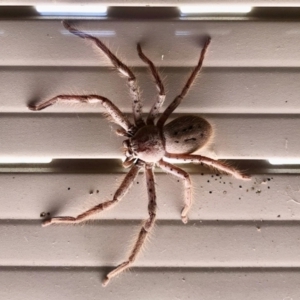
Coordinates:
[32,102]
[51,211]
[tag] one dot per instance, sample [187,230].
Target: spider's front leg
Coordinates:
[159,85]
[145,230]
[121,67]
[176,102]
[117,116]
[119,194]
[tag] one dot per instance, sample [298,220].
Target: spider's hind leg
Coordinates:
[119,194]
[219,165]
[174,170]
[145,230]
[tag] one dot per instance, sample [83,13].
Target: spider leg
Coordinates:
[119,194]
[169,168]
[117,116]
[165,115]
[221,166]
[145,230]
[159,84]
[121,67]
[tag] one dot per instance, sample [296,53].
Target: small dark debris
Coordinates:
[210,192]
[97,191]
[69,188]
[278,216]
[44,214]
[240,186]
[91,192]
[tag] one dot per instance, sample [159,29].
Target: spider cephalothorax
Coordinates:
[148,142]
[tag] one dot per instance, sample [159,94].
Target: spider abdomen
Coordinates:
[186,134]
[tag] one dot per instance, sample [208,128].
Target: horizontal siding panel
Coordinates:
[91,136]
[236,43]
[24,196]
[148,284]
[217,90]
[242,241]
[254,244]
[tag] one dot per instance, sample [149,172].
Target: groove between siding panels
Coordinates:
[212,244]
[169,42]
[164,3]
[140,283]
[267,197]
[217,90]
[90,136]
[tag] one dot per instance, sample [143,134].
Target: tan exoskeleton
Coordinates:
[148,143]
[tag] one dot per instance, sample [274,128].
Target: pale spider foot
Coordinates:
[46,222]
[58,220]
[32,107]
[105,281]
[184,219]
[245,177]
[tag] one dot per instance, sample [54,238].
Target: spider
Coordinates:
[148,142]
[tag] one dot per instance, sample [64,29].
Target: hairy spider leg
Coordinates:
[119,194]
[145,230]
[159,85]
[168,111]
[188,200]
[221,166]
[117,116]
[121,67]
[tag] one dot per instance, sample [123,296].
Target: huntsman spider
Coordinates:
[148,142]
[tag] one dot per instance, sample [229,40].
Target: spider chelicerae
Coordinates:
[148,142]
